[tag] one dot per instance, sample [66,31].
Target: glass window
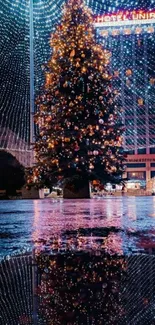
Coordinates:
[129,122]
[115,32]
[150,30]
[151,110]
[142,151]
[129,132]
[136,175]
[140,111]
[152,151]
[129,112]
[128,97]
[152,131]
[127,31]
[141,141]
[138,30]
[152,174]
[130,141]
[130,152]
[141,131]
[104,33]
[136,165]
[151,121]
[152,141]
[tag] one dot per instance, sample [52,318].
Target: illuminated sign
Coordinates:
[125,16]
[139,160]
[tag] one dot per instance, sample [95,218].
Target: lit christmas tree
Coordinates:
[80,128]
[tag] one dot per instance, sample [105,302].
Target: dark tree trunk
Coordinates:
[72,191]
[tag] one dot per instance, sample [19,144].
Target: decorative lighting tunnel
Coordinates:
[132,63]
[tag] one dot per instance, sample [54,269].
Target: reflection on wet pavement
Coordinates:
[78,288]
[124,225]
[92,263]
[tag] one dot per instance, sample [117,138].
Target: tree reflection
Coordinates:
[85,287]
[80,288]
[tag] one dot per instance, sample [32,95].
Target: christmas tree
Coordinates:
[79,122]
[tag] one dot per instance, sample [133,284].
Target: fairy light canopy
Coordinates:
[15,54]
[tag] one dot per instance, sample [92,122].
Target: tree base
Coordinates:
[32,193]
[71,192]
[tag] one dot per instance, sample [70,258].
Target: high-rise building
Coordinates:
[130,37]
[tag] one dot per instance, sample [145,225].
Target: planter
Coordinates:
[32,193]
[72,191]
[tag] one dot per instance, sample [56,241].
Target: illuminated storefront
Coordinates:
[141,168]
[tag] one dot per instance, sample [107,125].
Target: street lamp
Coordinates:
[31,73]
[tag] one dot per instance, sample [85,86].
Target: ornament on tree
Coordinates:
[72,53]
[91,166]
[65,84]
[67,139]
[77,148]
[84,69]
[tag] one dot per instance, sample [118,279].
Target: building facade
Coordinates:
[130,37]
[9,141]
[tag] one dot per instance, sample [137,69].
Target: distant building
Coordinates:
[130,37]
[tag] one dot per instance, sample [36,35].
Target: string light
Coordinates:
[14,26]
[16,290]
[14,99]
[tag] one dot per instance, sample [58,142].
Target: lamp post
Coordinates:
[34,270]
[31,73]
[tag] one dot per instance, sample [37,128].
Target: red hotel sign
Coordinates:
[126,15]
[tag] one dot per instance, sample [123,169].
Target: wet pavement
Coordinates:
[124,225]
[79,262]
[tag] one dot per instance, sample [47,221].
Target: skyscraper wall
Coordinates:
[130,37]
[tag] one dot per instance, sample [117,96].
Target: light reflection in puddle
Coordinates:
[99,249]
[26,223]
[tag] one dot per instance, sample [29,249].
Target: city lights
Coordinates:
[130,37]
